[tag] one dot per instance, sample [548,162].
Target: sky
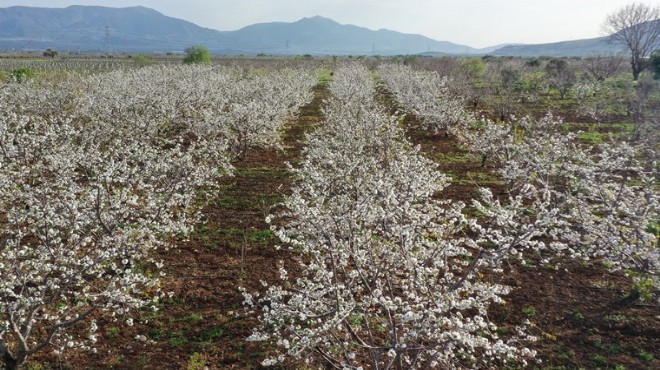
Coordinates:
[476,23]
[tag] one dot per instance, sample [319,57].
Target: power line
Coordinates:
[107,46]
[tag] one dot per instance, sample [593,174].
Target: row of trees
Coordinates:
[590,201]
[98,172]
[387,279]
[426,94]
[391,276]
[590,90]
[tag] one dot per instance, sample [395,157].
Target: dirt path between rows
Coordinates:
[578,310]
[203,324]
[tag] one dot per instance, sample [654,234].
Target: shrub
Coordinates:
[21,75]
[197,55]
[655,64]
[141,60]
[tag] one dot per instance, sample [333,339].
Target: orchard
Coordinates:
[329,213]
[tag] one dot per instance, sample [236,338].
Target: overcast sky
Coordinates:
[477,23]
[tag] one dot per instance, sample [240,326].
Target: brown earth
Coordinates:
[578,310]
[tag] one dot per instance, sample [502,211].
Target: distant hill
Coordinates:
[586,47]
[139,29]
[84,27]
[471,51]
[318,35]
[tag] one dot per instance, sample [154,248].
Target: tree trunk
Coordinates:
[636,67]
[10,362]
[399,362]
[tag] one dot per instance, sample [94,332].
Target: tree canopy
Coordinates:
[197,54]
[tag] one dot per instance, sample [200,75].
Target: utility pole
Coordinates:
[287,47]
[107,46]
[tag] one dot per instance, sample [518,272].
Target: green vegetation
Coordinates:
[644,355]
[474,67]
[655,64]
[529,311]
[113,331]
[177,339]
[577,314]
[197,54]
[141,60]
[50,53]
[21,75]
[600,361]
[196,362]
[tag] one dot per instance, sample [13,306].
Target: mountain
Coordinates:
[585,47]
[318,35]
[84,28]
[582,48]
[491,49]
[139,29]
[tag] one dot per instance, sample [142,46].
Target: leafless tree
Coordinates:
[501,77]
[637,27]
[561,74]
[601,67]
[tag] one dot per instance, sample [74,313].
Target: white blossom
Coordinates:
[382,271]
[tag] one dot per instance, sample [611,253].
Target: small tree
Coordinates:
[637,27]
[602,67]
[50,53]
[197,54]
[141,60]
[21,75]
[561,75]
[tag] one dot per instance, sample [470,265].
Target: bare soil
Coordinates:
[578,310]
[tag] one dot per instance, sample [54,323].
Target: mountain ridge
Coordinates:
[142,29]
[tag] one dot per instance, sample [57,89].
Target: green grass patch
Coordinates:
[263,173]
[112,332]
[591,137]
[600,360]
[325,76]
[177,339]
[232,202]
[196,362]
[235,238]
[249,236]
[597,133]
[216,332]
[529,311]
[453,158]
[645,356]
[615,318]
[611,349]
[478,178]
[577,314]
